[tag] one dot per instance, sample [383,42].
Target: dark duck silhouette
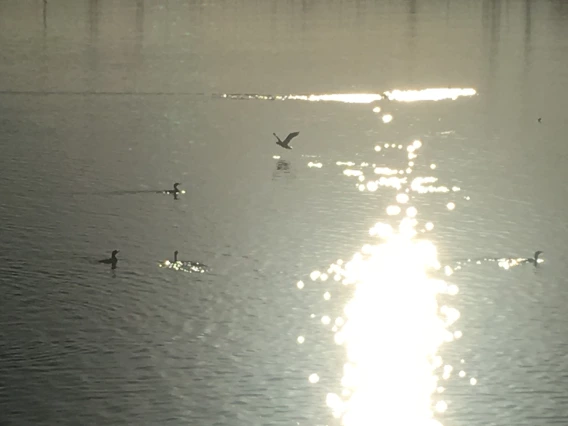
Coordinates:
[286,142]
[176,257]
[174,191]
[184,265]
[535,260]
[112,260]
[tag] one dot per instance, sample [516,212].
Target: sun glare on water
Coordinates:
[392,329]
[395,323]
[432,94]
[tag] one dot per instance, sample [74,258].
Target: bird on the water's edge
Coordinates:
[112,260]
[535,260]
[286,142]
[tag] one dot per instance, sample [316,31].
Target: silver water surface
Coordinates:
[101,97]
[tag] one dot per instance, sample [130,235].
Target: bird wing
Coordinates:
[290,137]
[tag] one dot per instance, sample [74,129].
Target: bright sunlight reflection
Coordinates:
[428,94]
[433,94]
[183,266]
[350,98]
[394,325]
[392,330]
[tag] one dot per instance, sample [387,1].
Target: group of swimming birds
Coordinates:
[177,264]
[199,267]
[193,266]
[113,260]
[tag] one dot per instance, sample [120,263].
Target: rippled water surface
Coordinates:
[354,279]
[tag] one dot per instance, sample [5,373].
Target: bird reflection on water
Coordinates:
[282,168]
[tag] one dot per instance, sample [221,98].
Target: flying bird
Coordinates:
[286,142]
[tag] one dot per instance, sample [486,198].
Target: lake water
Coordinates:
[102,103]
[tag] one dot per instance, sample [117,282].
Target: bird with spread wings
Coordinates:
[286,142]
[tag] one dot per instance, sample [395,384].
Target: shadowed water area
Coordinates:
[104,105]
